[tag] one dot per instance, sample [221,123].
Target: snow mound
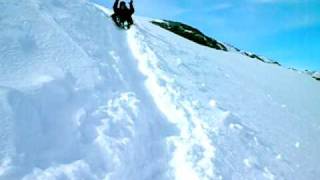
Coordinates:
[81,99]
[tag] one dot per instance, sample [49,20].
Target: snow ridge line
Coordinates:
[193,152]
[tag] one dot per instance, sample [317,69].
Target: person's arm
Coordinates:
[131,7]
[115,6]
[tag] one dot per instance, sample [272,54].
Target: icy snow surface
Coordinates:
[81,99]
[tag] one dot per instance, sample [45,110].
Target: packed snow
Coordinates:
[83,99]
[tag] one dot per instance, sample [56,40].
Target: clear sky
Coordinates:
[287,31]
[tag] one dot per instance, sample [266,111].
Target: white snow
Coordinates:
[82,99]
[247,162]
[279,157]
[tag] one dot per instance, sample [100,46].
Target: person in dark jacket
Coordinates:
[122,13]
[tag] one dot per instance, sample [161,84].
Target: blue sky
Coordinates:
[287,31]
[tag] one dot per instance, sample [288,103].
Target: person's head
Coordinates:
[123,5]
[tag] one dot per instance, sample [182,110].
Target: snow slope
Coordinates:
[81,99]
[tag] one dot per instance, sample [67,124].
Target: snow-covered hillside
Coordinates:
[81,99]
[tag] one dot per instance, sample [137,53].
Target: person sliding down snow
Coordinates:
[123,15]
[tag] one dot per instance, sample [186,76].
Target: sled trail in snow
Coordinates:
[193,150]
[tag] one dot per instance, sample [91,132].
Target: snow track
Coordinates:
[193,152]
